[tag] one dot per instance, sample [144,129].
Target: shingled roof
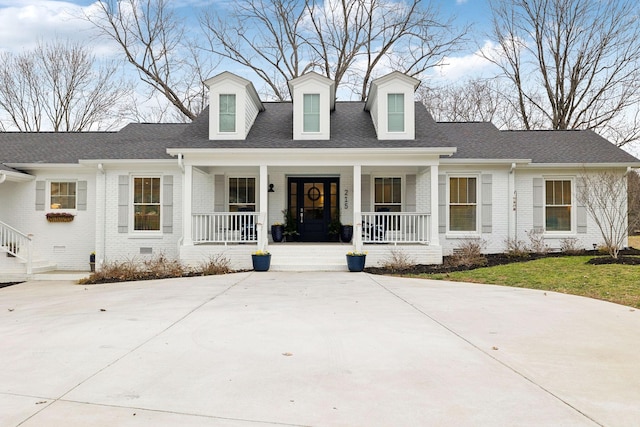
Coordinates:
[482,140]
[351,127]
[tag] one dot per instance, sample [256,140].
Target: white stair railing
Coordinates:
[16,243]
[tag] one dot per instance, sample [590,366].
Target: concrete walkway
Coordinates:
[313,349]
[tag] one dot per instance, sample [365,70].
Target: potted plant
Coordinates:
[277,232]
[92,261]
[356,260]
[290,227]
[261,260]
[346,233]
[334,229]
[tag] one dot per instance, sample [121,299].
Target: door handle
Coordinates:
[301,215]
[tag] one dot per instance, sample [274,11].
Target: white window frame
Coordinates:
[459,233]
[255,189]
[572,206]
[402,191]
[234,114]
[314,113]
[389,113]
[132,204]
[50,207]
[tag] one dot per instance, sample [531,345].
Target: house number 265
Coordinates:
[346,199]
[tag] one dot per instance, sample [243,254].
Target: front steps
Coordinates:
[309,256]
[14,269]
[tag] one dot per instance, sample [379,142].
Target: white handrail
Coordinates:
[17,244]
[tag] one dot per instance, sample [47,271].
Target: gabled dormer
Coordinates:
[234,105]
[314,97]
[392,107]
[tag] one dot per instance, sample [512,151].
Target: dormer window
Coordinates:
[395,108]
[227,113]
[313,99]
[311,113]
[392,107]
[234,106]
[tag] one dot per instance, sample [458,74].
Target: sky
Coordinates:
[24,22]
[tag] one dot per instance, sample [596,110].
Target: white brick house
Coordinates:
[404,181]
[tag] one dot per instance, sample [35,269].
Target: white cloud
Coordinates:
[24,23]
[456,68]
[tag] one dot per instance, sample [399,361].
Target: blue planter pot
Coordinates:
[261,262]
[277,233]
[356,262]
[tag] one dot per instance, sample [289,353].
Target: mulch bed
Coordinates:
[627,257]
[4,285]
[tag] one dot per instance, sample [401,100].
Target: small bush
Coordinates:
[469,253]
[398,260]
[215,264]
[516,248]
[570,246]
[537,246]
[162,267]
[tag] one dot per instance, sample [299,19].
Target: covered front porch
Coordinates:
[389,199]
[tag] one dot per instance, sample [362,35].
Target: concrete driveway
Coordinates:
[313,349]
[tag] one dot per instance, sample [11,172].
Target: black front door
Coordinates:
[313,203]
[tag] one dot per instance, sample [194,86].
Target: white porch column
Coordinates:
[357,206]
[264,208]
[187,205]
[435,218]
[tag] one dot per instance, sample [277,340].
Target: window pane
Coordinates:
[227,113]
[471,190]
[454,196]
[462,218]
[311,113]
[395,107]
[566,192]
[558,218]
[397,191]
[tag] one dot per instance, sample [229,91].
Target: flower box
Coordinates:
[59,217]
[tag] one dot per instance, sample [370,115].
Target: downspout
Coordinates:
[3,177]
[104,214]
[513,212]
[181,162]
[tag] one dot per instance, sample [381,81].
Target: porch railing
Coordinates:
[226,227]
[17,244]
[396,227]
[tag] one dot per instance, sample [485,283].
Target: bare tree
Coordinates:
[576,62]
[153,39]
[60,86]
[608,202]
[475,100]
[345,40]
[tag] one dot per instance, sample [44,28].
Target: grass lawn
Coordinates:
[571,275]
